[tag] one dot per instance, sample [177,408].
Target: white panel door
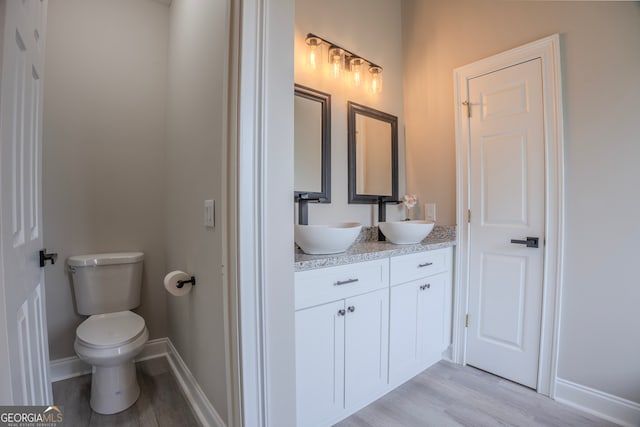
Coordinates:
[507,203]
[24,330]
[320,363]
[366,346]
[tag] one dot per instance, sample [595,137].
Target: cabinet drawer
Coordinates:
[416,266]
[323,285]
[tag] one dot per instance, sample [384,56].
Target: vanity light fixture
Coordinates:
[376,78]
[343,60]
[356,68]
[336,58]
[313,43]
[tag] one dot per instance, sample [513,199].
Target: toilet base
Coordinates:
[114,388]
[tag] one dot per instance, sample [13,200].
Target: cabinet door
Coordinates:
[366,346]
[405,347]
[419,325]
[319,363]
[433,308]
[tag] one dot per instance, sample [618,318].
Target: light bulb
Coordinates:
[313,43]
[376,79]
[336,58]
[356,65]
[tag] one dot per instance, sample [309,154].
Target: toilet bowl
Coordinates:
[110,342]
[106,287]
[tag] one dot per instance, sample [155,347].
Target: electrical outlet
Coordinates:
[209,213]
[430,211]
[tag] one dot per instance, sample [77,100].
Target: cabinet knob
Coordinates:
[341,312]
[351,308]
[426,286]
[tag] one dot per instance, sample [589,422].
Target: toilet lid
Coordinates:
[110,329]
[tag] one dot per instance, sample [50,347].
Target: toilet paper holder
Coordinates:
[181,283]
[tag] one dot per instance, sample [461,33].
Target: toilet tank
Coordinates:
[106,283]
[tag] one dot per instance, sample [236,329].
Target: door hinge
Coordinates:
[469,216]
[468,105]
[466,321]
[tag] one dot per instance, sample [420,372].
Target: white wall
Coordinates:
[277,199]
[599,345]
[198,59]
[103,148]
[371,28]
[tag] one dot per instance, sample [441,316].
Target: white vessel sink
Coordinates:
[406,232]
[326,239]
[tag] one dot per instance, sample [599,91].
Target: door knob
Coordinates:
[531,242]
[44,257]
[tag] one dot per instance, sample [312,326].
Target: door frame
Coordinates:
[548,50]
[259,214]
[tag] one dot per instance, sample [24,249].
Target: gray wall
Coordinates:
[103,148]
[133,139]
[194,172]
[599,345]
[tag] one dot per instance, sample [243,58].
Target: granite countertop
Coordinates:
[365,249]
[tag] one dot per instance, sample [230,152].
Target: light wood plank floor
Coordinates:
[449,395]
[160,404]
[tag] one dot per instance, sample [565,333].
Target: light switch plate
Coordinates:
[209,213]
[430,211]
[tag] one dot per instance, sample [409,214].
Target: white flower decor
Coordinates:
[410,200]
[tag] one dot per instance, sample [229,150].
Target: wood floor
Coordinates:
[445,395]
[449,395]
[160,404]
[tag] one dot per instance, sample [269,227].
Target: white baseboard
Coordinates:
[201,406]
[607,406]
[154,348]
[69,367]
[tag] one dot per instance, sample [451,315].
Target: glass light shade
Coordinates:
[336,58]
[356,69]
[313,44]
[376,79]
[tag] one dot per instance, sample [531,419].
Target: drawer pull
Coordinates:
[345,282]
[426,264]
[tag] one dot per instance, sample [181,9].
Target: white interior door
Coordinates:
[507,193]
[25,349]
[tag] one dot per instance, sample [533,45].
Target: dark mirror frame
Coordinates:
[324,99]
[354,109]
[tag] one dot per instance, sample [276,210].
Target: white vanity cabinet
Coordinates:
[342,318]
[420,312]
[362,329]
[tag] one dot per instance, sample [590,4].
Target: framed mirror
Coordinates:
[373,154]
[312,143]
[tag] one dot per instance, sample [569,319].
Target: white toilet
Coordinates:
[106,286]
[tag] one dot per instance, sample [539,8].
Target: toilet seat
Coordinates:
[110,330]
